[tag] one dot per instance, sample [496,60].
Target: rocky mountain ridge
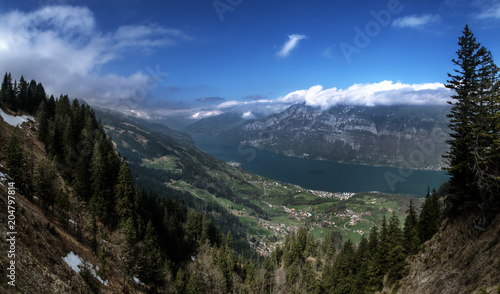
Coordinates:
[400,135]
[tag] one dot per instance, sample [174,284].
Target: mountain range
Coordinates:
[405,136]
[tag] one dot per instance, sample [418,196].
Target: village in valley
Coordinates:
[352,222]
[290,207]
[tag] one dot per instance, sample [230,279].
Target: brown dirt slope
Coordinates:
[458,259]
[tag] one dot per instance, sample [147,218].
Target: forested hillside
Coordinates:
[137,232]
[141,146]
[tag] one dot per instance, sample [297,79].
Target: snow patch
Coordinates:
[3,177]
[74,261]
[138,281]
[15,120]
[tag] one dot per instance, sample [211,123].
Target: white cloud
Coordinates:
[293,41]
[229,104]
[248,115]
[383,93]
[61,47]
[490,10]
[415,21]
[205,114]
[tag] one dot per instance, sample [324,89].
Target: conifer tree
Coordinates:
[329,245]
[39,96]
[250,272]
[373,241]
[311,284]
[410,232]
[125,194]
[7,90]
[435,211]
[103,180]
[425,219]
[430,217]
[396,264]
[472,119]
[151,263]
[375,262]
[22,94]
[193,285]
[43,122]
[62,204]
[395,234]
[44,182]
[327,279]
[362,258]
[343,271]
[98,201]
[179,284]
[17,162]
[384,245]
[486,130]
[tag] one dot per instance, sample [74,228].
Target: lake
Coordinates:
[322,175]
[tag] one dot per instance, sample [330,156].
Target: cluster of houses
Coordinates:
[298,213]
[265,245]
[234,164]
[340,195]
[354,216]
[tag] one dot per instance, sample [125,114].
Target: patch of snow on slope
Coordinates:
[74,261]
[15,120]
[3,178]
[138,281]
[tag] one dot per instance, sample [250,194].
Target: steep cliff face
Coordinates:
[458,259]
[402,136]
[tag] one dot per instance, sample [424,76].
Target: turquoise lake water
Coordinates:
[322,175]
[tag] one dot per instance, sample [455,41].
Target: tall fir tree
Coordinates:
[125,194]
[151,261]
[486,130]
[7,91]
[17,162]
[44,181]
[411,241]
[430,217]
[472,164]
[22,99]
[464,82]
[395,234]
[375,262]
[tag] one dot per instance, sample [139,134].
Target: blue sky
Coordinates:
[199,58]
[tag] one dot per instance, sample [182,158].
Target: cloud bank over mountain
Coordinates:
[382,93]
[369,94]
